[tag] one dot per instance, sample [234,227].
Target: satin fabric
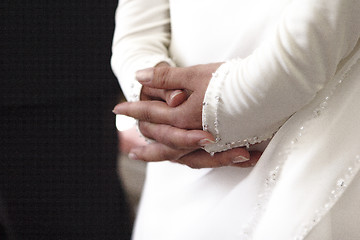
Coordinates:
[305,185]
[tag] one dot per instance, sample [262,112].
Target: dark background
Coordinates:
[58,143]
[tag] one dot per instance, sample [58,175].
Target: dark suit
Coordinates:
[58,144]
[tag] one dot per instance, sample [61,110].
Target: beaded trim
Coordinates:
[343,182]
[220,74]
[213,125]
[339,188]
[271,180]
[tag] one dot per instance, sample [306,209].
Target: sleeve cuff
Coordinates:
[230,130]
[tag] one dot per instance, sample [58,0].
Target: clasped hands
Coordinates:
[170,112]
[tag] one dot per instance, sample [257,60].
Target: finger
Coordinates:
[129,139]
[175,97]
[164,77]
[148,93]
[254,158]
[187,115]
[155,152]
[148,111]
[176,137]
[172,97]
[201,159]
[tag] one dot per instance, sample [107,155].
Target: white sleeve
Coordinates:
[141,39]
[247,100]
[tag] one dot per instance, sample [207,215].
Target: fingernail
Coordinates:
[205,142]
[116,110]
[145,75]
[133,156]
[175,93]
[240,159]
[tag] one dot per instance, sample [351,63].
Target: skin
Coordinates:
[170,113]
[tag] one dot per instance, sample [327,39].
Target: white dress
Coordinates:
[291,74]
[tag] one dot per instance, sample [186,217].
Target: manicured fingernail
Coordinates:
[205,142]
[117,108]
[240,159]
[175,93]
[133,156]
[145,75]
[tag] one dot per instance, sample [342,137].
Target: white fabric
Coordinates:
[287,60]
[293,62]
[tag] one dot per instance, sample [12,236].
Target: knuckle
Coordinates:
[143,128]
[161,74]
[165,154]
[184,120]
[191,73]
[173,118]
[179,122]
[172,138]
[187,140]
[220,159]
[162,138]
[193,165]
[169,143]
[146,116]
[163,135]
[224,161]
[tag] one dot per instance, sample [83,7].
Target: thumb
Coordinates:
[164,77]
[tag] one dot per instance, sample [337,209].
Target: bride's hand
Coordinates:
[155,152]
[184,146]
[193,80]
[173,143]
[173,98]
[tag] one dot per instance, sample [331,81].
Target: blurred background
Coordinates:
[132,174]
[61,173]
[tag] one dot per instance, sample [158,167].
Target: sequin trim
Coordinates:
[270,181]
[213,125]
[339,188]
[343,181]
